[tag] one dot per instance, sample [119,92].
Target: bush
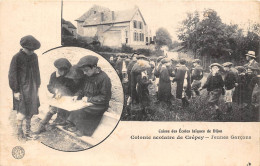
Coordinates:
[126,49]
[146,52]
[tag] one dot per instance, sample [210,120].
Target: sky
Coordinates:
[169,14]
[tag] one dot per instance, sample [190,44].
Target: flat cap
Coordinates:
[182,61]
[88,60]
[196,61]
[227,64]
[216,64]
[141,57]
[30,42]
[75,73]
[165,60]
[62,63]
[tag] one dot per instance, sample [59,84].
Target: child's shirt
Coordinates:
[214,82]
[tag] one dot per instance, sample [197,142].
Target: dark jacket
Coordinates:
[196,73]
[142,90]
[213,82]
[230,79]
[164,88]
[179,74]
[97,88]
[24,77]
[62,84]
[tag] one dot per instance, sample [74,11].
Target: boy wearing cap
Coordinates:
[230,82]
[24,80]
[59,86]
[214,85]
[96,90]
[182,77]
[196,76]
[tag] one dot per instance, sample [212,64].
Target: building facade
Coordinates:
[115,28]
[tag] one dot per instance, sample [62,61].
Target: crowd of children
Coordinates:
[235,83]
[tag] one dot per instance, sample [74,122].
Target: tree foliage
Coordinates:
[163,37]
[211,37]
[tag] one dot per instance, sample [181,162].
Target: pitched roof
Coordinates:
[93,16]
[70,25]
[90,11]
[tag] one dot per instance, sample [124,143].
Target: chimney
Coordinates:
[113,15]
[102,16]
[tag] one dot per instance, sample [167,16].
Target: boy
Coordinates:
[59,86]
[96,90]
[24,80]
[230,82]
[214,85]
[196,76]
[182,78]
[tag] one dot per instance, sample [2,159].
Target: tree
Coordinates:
[163,37]
[188,31]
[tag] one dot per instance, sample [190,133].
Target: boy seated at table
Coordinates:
[59,86]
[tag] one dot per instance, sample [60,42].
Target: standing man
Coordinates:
[196,76]
[230,82]
[252,69]
[24,80]
[182,77]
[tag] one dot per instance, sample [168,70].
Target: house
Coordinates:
[115,28]
[68,29]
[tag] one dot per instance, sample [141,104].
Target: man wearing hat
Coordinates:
[182,78]
[252,70]
[214,85]
[24,80]
[252,63]
[230,82]
[196,76]
[96,90]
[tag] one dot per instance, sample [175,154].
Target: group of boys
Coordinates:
[235,83]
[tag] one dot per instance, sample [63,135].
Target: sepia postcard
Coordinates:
[109,82]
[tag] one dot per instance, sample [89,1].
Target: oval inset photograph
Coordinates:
[81,99]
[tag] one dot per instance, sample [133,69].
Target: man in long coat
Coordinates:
[164,88]
[96,90]
[24,80]
[182,77]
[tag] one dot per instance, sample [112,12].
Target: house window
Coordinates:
[135,36]
[126,40]
[140,36]
[146,39]
[140,25]
[95,12]
[135,24]
[102,16]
